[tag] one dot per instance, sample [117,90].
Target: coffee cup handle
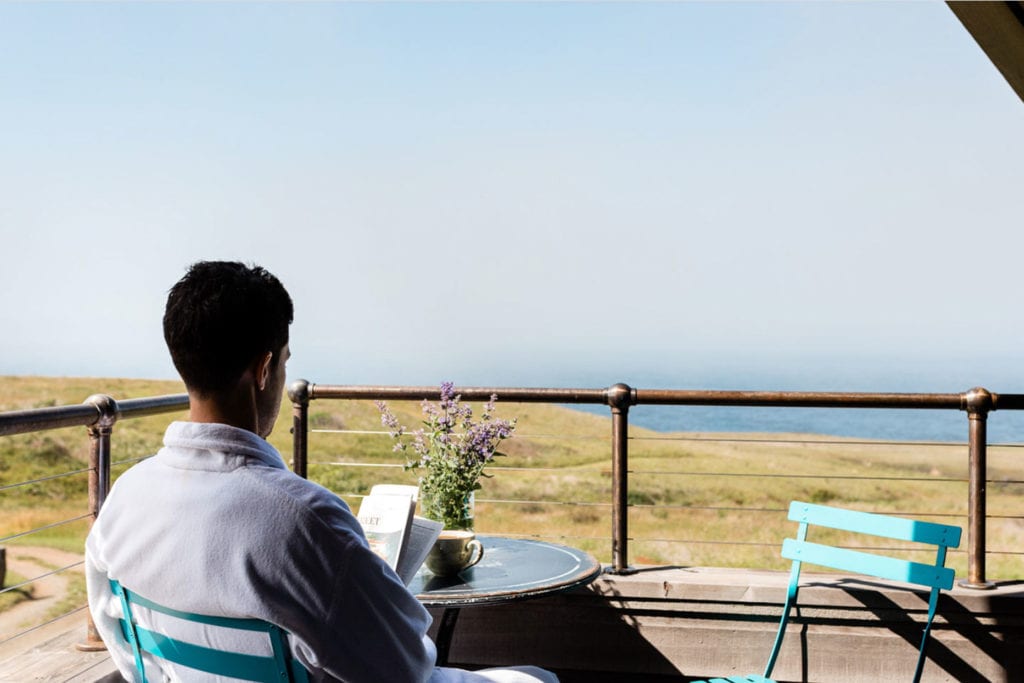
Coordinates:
[477,548]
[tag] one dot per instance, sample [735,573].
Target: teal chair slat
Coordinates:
[211,661]
[277,667]
[935,576]
[224,622]
[875,524]
[868,563]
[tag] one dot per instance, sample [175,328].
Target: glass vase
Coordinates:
[455,511]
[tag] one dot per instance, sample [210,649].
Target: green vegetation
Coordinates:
[695,499]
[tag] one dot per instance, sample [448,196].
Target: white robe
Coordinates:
[216,524]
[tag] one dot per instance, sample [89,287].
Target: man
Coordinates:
[215,523]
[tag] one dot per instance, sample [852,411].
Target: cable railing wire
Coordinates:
[54,525]
[555,536]
[723,508]
[32,629]
[763,475]
[714,439]
[391,465]
[814,442]
[775,545]
[50,477]
[52,572]
[377,432]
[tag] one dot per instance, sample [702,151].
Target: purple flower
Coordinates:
[451,449]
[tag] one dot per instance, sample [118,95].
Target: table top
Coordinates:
[511,569]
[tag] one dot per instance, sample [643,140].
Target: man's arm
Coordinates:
[352,615]
[381,626]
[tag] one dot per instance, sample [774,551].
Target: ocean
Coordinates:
[865,423]
[797,372]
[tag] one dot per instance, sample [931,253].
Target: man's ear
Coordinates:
[263,370]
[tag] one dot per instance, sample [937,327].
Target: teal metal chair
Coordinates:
[935,576]
[280,667]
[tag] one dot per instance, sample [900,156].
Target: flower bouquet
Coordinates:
[451,451]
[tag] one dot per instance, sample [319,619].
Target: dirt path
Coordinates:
[30,562]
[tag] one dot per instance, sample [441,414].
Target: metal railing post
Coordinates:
[620,397]
[977,402]
[99,484]
[298,392]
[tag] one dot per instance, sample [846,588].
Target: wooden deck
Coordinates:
[49,653]
[671,625]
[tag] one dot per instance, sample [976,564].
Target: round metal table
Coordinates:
[511,569]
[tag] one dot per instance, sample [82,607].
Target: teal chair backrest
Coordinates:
[275,668]
[935,576]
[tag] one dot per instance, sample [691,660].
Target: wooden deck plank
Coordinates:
[49,653]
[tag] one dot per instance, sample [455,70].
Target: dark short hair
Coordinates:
[219,318]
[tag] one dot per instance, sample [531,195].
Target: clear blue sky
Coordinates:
[824,195]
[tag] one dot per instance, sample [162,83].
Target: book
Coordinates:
[395,533]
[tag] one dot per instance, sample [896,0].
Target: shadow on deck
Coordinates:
[675,624]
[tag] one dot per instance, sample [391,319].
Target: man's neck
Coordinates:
[236,409]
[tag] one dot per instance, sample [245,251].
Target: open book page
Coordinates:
[386,520]
[401,539]
[422,534]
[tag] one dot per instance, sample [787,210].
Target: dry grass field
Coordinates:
[696,499]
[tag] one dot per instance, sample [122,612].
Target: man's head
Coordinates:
[221,320]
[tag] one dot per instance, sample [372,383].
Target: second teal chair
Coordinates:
[279,667]
[934,576]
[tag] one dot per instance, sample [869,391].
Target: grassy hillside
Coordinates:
[32,457]
[696,499]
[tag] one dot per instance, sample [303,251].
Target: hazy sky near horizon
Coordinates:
[824,195]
